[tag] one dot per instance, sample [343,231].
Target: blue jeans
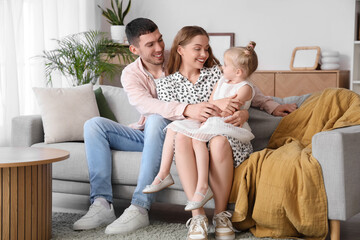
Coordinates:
[101,135]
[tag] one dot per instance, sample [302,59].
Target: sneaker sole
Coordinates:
[87,228]
[225,237]
[91,227]
[112,232]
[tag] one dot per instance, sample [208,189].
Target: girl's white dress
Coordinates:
[215,126]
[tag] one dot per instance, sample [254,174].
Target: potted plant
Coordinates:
[82,58]
[115,17]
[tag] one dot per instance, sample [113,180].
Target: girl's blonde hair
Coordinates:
[182,38]
[244,58]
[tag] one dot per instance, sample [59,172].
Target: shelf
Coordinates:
[355,71]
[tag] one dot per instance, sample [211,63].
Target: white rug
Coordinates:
[62,229]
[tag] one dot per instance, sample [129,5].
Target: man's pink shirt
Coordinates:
[141,91]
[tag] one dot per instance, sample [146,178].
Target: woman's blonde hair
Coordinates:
[244,58]
[182,38]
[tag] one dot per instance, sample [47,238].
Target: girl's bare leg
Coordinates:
[202,164]
[221,171]
[167,156]
[186,167]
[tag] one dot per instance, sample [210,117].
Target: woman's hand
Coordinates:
[228,105]
[201,111]
[238,118]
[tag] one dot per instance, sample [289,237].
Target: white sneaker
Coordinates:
[223,226]
[198,228]
[97,216]
[131,220]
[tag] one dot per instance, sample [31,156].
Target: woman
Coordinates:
[193,74]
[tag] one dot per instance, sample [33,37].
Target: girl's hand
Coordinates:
[238,118]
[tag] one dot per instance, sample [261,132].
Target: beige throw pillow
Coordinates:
[65,110]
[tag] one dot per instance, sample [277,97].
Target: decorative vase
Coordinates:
[118,33]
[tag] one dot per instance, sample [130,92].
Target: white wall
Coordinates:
[277,26]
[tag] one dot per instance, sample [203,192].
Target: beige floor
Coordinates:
[350,230]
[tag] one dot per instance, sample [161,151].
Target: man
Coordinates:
[101,135]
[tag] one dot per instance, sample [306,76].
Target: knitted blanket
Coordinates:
[279,191]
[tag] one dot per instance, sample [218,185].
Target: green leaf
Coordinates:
[127,9]
[114,18]
[83,57]
[115,15]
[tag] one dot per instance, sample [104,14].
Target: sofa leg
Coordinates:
[334,229]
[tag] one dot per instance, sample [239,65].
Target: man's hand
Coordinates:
[238,118]
[285,109]
[201,111]
[228,105]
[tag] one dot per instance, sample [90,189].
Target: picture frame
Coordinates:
[220,42]
[305,58]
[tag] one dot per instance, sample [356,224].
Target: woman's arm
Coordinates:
[238,118]
[227,105]
[200,111]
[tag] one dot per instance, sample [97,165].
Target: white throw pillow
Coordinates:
[65,110]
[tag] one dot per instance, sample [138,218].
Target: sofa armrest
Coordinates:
[26,130]
[338,152]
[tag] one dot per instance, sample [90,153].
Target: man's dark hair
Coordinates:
[138,27]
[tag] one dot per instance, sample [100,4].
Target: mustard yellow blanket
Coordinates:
[279,191]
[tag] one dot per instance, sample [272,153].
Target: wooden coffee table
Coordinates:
[26,191]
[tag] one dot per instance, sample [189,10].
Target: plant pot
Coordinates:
[118,33]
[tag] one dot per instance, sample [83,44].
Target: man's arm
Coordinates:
[145,102]
[270,106]
[284,109]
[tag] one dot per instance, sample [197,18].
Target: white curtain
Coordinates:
[26,29]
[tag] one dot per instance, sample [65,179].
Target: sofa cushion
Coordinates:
[74,168]
[126,165]
[119,104]
[103,106]
[262,126]
[293,99]
[65,110]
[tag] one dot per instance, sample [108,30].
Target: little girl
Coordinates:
[239,64]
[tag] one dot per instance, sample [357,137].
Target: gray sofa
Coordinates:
[337,151]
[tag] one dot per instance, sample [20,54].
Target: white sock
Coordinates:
[103,201]
[141,209]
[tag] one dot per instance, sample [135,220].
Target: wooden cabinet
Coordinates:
[296,83]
